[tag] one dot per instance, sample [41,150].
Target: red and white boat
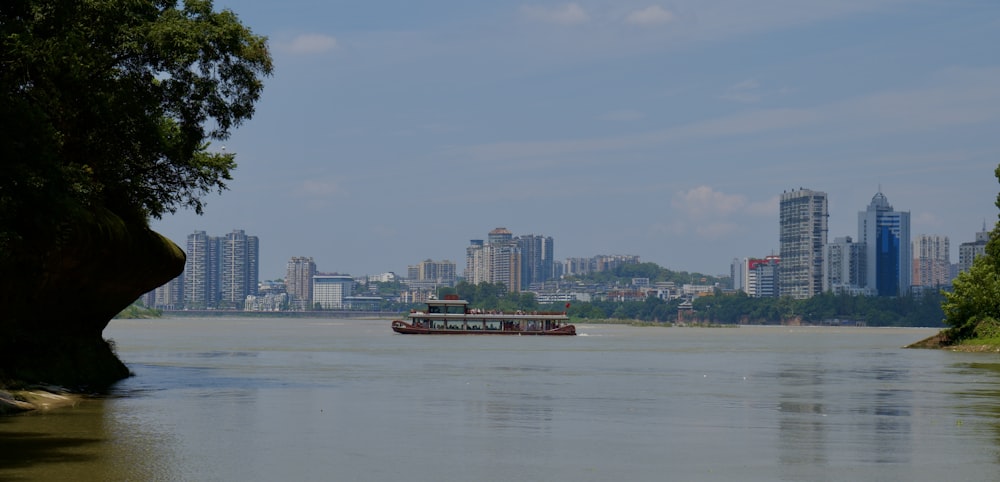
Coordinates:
[452,316]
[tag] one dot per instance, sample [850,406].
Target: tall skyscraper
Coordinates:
[299,282]
[931,260]
[968,252]
[886,235]
[200,271]
[497,261]
[476,262]
[846,270]
[738,274]
[803,217]
[536,259]
[239,267]
[220,270]
[505,265]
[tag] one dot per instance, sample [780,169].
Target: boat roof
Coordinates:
[446,302]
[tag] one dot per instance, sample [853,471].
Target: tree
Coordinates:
[107,109]
[972,309]
[111,105]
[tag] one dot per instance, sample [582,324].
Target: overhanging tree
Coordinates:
[111,104]
[107,109]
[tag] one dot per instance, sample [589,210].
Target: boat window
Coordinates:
[456,309]
[493,325]
[433,309]
[437,324]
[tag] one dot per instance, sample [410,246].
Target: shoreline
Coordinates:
[36,399]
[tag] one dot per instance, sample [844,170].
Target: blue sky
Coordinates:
[396,131]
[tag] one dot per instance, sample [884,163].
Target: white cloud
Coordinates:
[652,15]
[704,201]
[710,214]
[566,14]
[311,43]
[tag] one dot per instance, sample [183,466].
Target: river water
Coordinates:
[318,399]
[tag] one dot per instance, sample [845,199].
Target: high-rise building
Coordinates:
[497,261]
[440,273]
[763,277]
[240,257]
[299,282]
[803,217]
[886,235]
[968,252]
[931,260]
[504,261]
[738,274]
[220,270]
[536,259]
[578,266]
[329,290]
[201,271]
[476,262]
[500,236]
[604,262]
[846,270]
[757,277]
[170,296]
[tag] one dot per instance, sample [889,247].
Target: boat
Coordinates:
[452,316]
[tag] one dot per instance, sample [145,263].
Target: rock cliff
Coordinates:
[58,295]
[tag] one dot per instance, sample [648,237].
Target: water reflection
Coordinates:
[751,405]
[862,407]
[801,427]
[980,401]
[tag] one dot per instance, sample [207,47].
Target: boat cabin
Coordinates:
[453,316]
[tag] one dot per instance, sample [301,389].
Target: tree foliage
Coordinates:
[111,104]
[490,296]
[654,272]
[972,309]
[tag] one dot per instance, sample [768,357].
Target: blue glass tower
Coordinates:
[886,234]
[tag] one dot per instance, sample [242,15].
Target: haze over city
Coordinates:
[394,132]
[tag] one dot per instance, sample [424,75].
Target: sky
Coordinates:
[396,131]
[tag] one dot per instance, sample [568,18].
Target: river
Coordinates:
[225,399]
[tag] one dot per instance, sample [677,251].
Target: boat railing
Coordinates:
[476,311]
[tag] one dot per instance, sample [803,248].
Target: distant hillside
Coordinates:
[656,273]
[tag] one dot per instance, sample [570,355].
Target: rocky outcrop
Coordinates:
[63,292]
[938,340]
[35,398]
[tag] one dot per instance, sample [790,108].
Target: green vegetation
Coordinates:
[655,273]
[137,311]
[724,309]
[972,309]
[104,106]
[491,296]
[738,308]
[107,109]
[910,310]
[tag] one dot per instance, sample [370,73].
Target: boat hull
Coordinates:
[405,328]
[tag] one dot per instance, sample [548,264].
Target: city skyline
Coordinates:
[953,250]
[393,132]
